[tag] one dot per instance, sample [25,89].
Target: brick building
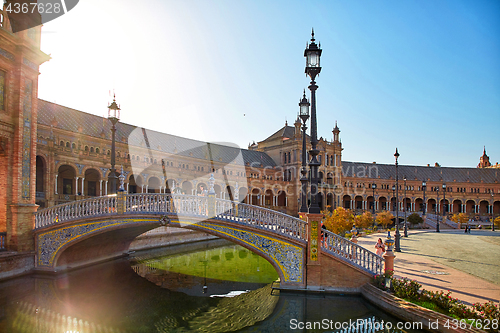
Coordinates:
[51,154]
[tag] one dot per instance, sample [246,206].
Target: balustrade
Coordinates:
[189,205]
[358,255]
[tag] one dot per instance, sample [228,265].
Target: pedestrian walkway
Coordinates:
[465,264]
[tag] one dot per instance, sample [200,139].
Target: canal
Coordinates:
[212,286]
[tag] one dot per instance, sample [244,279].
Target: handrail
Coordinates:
[187,205]
[352,252]
[97,206]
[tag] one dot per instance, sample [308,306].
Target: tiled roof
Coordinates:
[429,173]
[284,132]
[72,120]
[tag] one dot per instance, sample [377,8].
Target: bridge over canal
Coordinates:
[86,231]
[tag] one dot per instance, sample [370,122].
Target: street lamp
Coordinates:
[444,201]
[397,237]
[437,210]
[374,186]
[393,195]
[304,115]
[113,116]
[492,216]
[404,207]
[424,184]
[312,54]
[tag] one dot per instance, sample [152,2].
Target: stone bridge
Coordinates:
[87,231]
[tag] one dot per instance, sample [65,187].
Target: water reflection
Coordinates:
[112,297]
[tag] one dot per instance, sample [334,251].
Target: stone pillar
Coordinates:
[56,185]
[76,185]
[120,202]
[389,254]
[83,185]
[100,187]
[313,262]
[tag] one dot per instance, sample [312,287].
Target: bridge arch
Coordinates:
[73,244]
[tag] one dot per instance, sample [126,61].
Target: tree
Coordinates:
[497,221]
[415,219]
[460,218]
[364,220]
[339,221]
[384,218]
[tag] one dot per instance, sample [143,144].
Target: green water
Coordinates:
[194,288]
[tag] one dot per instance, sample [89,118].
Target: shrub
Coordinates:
[406,289]
[380,280]
[415,219]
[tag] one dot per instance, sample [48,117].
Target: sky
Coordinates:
[422,76]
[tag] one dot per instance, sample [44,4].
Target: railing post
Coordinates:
[389,254]
[120,202]
[313,267]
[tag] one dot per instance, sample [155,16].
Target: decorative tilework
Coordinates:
[80,167]
[104,171]
[26,168]
[30,64]
[286,256]
[49,243]
[7,54]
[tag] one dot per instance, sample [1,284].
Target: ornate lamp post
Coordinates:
[313,54]
[397,236]
[113,116]
[304,115]
[437,210]
[374,186]
[404,207]
[492,216]
[393,195]
[444,201]
[424,184]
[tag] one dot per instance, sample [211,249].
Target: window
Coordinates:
[91,149]
[97,150]
[61,143]
[73,145]
[86,148]
[67,144]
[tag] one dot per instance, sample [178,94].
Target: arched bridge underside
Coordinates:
[84,241]
[86,231]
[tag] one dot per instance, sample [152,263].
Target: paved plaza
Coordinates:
[468,265]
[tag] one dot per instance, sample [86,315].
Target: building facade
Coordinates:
[51,154]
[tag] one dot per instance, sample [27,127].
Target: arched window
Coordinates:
[97,150]
[109,152]
[91,149]
[61,143]
[118,154]
[86,148]
[67,144]
[73,145]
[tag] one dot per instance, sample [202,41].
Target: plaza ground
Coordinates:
[468,265]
